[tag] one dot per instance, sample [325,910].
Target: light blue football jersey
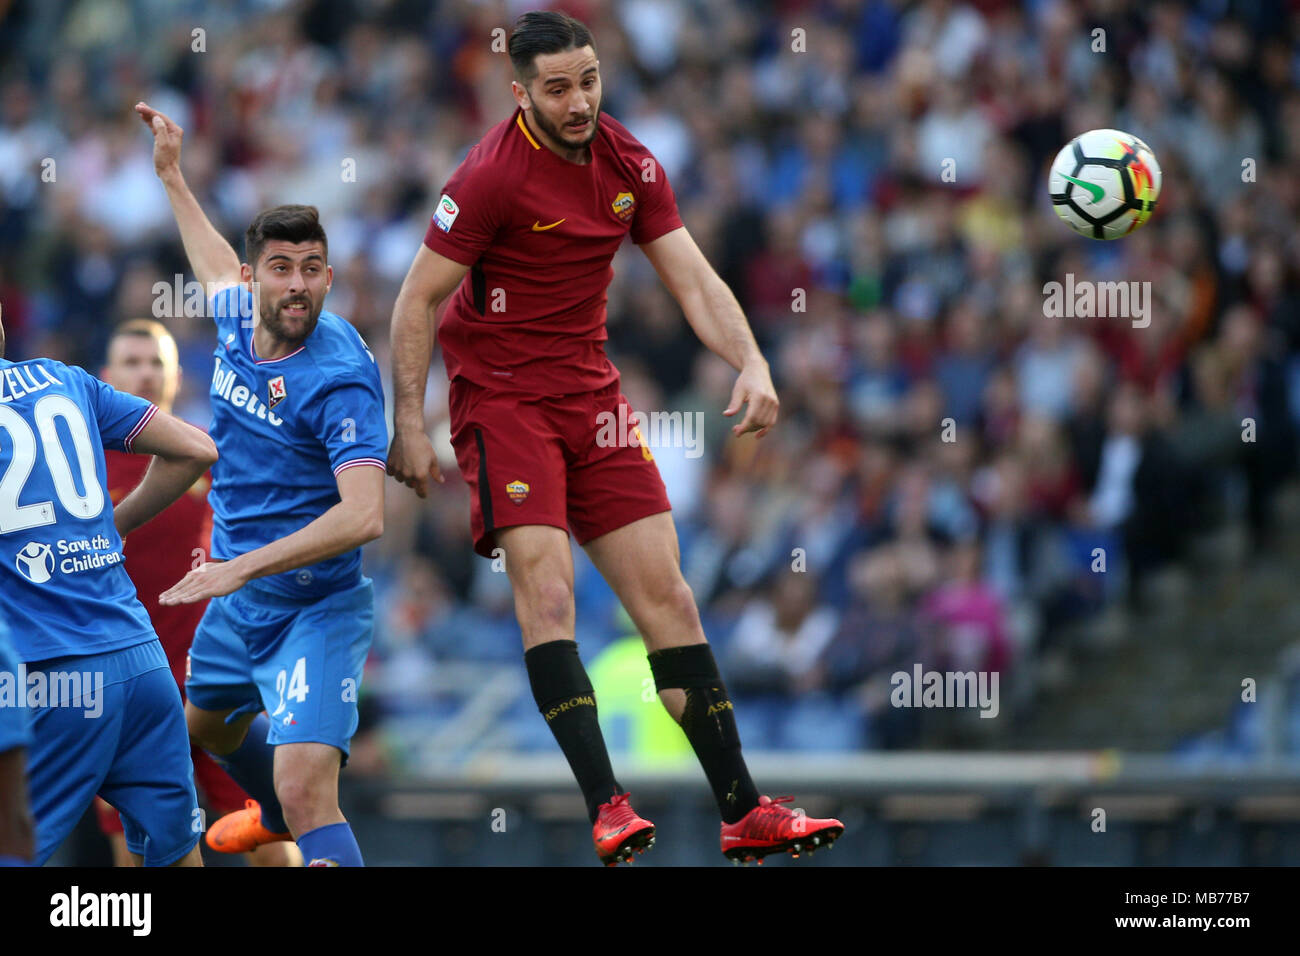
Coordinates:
[284,429]
[63,588]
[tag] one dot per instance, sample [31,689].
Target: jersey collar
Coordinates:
[532,141]
[523,128]
[252,350]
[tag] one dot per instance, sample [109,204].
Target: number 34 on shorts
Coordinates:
[296,691]
[301,662]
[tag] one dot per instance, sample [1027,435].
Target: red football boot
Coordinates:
[619,831]
[769,828]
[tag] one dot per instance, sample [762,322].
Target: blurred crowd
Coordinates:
[956,479]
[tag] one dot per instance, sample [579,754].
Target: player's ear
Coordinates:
[245,273]
[521,95]
[329,278]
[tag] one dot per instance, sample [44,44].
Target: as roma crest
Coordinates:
[622,206]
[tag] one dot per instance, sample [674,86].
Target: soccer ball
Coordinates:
[1104,183]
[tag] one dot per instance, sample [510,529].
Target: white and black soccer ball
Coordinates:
[1104,183]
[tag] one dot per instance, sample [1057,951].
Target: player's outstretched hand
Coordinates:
[210,579]
[412,461]
[754,385]
[166,138]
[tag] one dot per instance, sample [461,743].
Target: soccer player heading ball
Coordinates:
[533,217]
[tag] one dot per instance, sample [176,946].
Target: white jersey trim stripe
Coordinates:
[361,461]
[259,361]
[135,432]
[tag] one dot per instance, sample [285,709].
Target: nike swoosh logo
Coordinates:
[1093,190]
[730,838]
[620,829]
[538,227]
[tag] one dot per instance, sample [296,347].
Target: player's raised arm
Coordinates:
[716,316]
[182,454]
[432,277]
[355,520]
[215,263]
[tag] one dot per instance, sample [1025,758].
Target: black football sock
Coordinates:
[709,722]
[565,698]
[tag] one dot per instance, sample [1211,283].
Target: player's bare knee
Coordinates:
[679,600]
[306,784]
[296,796]
[306,806]
[548,603]
[671,599]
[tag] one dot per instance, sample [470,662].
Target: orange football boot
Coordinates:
[242,831]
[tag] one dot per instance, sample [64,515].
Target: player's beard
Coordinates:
[566,140]
[281,328]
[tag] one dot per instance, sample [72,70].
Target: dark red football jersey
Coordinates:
[161,552]
[539,234]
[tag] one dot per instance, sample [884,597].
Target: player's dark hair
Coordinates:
[544,31]
[286,223]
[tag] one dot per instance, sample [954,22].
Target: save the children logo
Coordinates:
[35,562]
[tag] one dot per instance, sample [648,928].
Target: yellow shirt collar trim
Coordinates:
[523,128]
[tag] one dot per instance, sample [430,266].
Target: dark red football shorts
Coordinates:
[569,461]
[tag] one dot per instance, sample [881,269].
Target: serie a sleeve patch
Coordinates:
[446,213]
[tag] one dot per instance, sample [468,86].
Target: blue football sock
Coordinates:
[14,861]
[252,766]
[332,845]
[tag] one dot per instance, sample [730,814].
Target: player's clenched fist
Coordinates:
[166,138]
[412,460]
